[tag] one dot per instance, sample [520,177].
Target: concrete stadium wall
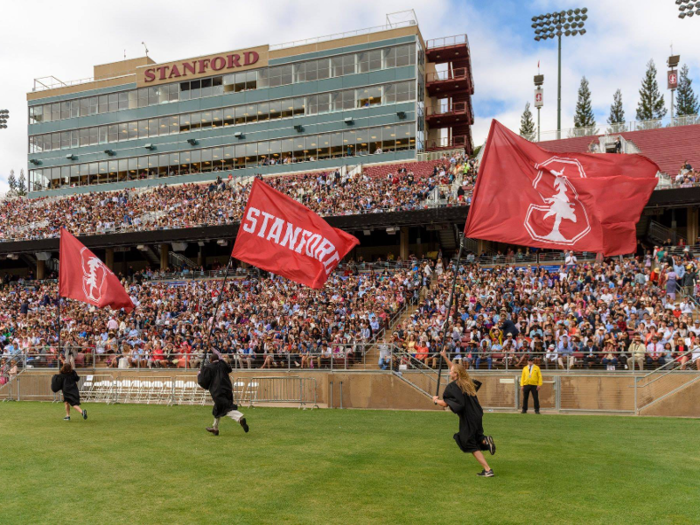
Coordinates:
[380,390]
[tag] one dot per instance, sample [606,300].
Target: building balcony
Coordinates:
[443,83]
[448,115]
[459,141]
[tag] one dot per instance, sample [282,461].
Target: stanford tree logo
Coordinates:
[560,218]
[94,274]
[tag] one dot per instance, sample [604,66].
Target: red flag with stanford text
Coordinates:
[565,201]
[83,277]
[279,235]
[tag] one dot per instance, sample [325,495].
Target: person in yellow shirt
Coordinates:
[531,382]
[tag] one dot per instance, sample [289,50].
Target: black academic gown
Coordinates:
[471,433]
[68,383]
[215,378]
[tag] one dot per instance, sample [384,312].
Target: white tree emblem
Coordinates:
[560,201]
[94,273]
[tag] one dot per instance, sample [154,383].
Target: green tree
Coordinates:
[686,99]
[651,102]
[617,112]
[584,119]
[527,125]
[12,181]
[21,184]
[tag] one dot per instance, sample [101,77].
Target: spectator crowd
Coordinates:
[378,189]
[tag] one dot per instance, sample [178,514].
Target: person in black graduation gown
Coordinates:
[460,396]
[67,381]
[215,378]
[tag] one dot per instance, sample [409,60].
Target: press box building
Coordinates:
[369,96]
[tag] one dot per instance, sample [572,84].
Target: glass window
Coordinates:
[287,107]
[38,113]
[123,169]
[84,137]
[195,121]
[263,111]
[153,96]
[206,87]
[324,146]
[251,154]
[205,119]
[133,169]
[343,100]
[286,75]
[230,83]
[251,79]
[92,106]
[323,68]
[371,96]
[103,104]
[173,164]
[104,134]
[163,165]
[163,126]
[229,116]
[113,102]
[174,95]
[65,110]
[217,118]
[403,91]
[251,113]
[217,87]
[217,158]
[263,78]
[390,94]
[93,136]
[75,138]
[143,97]
[275,110]
[84,107]
[299,105]
[153,127]
[143,129]
[74,109]
[142,166]
[163,94]
[388,138]
[123,100]
[390,57]
[133,99]
[300,71]
[123,131]
[240,114]
[174,124]
[184,123]
[196,161]
[133,130]
[184,90]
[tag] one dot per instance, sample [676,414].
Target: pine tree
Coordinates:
[584,119]
[527,125]
[617,112]
[12,181]
[651,102]
[686,99]
[21,184]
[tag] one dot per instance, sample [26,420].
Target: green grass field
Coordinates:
[153,464]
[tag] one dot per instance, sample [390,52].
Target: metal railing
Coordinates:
[450,108]
[346,34]
[459,73]
[447,41]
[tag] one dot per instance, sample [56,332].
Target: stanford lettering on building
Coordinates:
[201,66]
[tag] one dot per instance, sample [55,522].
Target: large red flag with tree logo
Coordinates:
[566,201]
[284,237]
[83,277]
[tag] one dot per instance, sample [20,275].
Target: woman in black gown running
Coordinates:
[460,396]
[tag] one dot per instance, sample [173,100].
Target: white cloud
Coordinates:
[41,38]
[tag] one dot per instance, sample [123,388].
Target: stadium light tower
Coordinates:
[4,115]
[688,8]
[558,24]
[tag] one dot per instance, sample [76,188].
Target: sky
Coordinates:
[65,39]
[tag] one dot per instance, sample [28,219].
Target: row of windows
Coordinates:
[236,115]
[367,141]
[274,76]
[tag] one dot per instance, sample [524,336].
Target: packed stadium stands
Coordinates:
[379,188]
[614,315]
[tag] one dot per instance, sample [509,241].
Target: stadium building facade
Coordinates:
[380,95]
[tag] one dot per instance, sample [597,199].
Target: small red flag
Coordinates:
[281,236]
[83,277]
[565,201]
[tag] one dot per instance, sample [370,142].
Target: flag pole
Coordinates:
[220,299]
[449,309]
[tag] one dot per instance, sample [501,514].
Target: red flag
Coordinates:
[284,237]
[83,277]
[567,201]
